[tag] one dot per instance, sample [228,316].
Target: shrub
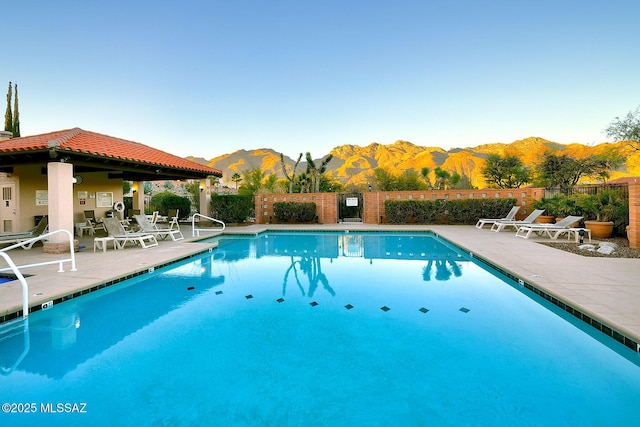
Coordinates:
[446,211]
[294,211]
[166,200]
[231,208]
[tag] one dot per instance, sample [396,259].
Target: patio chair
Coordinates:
[551,230]
[510,217]
[18,237]
[120,235]
[154,218]
[90,218]
[146,227]
[173,219]
[501,225]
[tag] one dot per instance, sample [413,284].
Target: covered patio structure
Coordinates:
[61,174]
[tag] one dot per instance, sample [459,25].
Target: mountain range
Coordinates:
[353,164]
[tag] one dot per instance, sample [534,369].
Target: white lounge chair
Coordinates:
[501,225]
[552,230]
[18,237]
[117,231]
[146,227]
[510,217]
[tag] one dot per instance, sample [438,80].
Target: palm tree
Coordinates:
[425,174]
[236,178]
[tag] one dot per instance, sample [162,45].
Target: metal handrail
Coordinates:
[196,231]
[16,268]
[27,244]
[23,282]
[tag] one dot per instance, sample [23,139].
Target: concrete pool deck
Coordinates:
[606,290]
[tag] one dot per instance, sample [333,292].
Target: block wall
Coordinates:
[373,201]
[633,232]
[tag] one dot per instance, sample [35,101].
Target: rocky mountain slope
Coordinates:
[353,164]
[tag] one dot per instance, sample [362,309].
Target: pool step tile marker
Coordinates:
[464,309]
[248,296]
[218,292]
[385,308]
[280,300]
[424,310]
[190,288]
[313,304]
[348,306]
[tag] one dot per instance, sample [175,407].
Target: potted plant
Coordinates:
[550,206]
[599,211]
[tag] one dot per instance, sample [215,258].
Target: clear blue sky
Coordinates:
[205,78]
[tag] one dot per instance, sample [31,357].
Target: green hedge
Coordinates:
[166,200]
[231,208]
[446,211]
[294,211]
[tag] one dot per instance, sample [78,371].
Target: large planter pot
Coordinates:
[545,219]
[600,229]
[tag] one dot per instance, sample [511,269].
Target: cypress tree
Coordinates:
[8,125]
[16,115]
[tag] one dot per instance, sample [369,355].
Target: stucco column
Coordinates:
[60,195]
[205,196]
[138,196]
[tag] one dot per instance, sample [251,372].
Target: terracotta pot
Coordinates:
[600,229]
[545,219]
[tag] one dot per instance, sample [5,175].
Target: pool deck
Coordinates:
[605,289]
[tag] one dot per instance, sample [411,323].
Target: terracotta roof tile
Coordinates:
[96,144]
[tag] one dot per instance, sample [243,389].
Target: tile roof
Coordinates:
[95,144]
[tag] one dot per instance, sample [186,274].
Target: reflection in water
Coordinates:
[312,268]
[444,269]
[11,333]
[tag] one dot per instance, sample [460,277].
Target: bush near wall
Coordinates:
[294,211]
[231,208]
[166,200]
[446,211]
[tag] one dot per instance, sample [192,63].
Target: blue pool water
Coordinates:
[316,329]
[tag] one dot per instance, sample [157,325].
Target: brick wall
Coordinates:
[634,215]
[373,201]
[326,205]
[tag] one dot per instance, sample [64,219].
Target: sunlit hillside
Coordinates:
[352,164]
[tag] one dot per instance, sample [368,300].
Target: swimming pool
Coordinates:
[316,329]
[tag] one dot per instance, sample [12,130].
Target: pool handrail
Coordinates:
[23,282]
[26,244]
[196,231]
[16,268]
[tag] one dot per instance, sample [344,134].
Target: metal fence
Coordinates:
[591,189]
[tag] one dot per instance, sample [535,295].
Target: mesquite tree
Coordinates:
[626,129]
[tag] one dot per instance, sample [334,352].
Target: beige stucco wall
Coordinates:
[91,183]
[29,179]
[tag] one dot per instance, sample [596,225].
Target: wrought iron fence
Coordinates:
[590,189]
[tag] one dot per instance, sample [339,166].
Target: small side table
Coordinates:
[102,242]
[576,233]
